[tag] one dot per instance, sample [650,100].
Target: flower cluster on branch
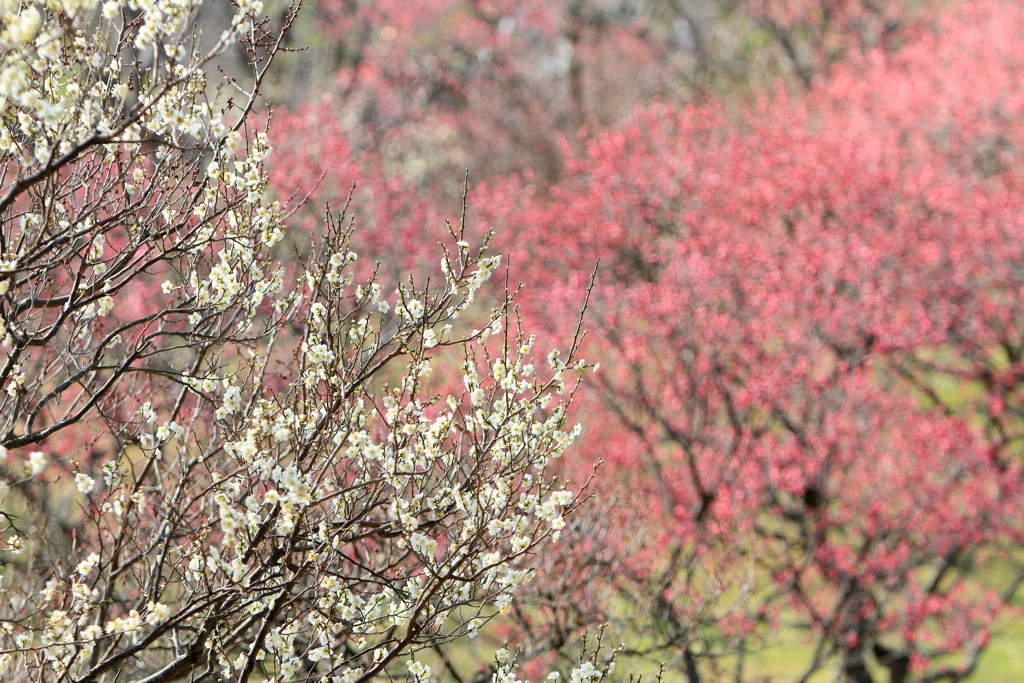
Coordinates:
[221,462]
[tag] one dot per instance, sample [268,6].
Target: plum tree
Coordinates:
[220,462]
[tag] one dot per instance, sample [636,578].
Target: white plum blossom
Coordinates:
[84,483]
[86,566]
[37,462]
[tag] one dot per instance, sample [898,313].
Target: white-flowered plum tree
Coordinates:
[224,459]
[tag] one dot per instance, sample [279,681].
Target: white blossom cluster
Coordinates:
[119,138]
[391,467]
[274,476]
[594,666]
[63,88]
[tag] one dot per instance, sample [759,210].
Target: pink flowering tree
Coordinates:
[810,334]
